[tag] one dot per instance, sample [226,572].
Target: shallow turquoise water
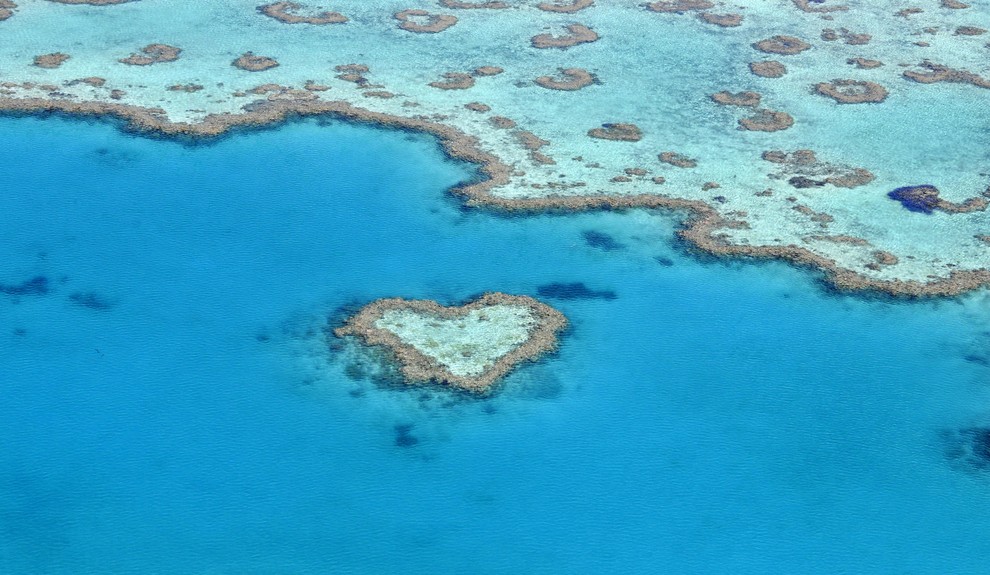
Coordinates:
[715,417]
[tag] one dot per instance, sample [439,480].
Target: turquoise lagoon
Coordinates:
[170,403]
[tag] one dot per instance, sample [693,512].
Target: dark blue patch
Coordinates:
[601,241]
[574,290]
[981,443]
[978,359]
[968,448]
[402,436]
[665,262]
[35,286]
[90,300]
[922,199]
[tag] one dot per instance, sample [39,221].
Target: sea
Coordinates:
[172,402]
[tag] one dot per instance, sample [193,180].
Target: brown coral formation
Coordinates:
[701,229]
[423,22]
[954,4]
[940,73]
[502,122]
[286,12]
[852,91]
[908,12]
[454,81]
[853,39]
[767,121]
[679,6]
[92,2]
[153,54]
[768,69]
[804,170]
[565,8]
[784,45]
[744,99]
[491,5]
[248,61]
[864,63]
[970,31]
[53,60]
[93,81]
[678,160]
[570,79]
[617,132]
[723,20]
[487,71]
[806,6]
[577,34]
[353,73]
[189,88]
[837,239]
[7,8]
[534,143]
[417,367]
[478,107]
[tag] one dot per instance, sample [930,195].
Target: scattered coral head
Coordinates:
[286,12]
[617,132]
[565,8]
[785,45]
[53,60]
[679,6]
[767,121]
[248,61]
[577,34]
[852,91]
[423,22]
[572,79]
[768,69]
[153,54]
[745,99]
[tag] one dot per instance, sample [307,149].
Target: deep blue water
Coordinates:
[168,403]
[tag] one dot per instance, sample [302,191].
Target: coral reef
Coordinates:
[852,91]
[423,22]
[286,12]
[768,69]
[53,60]
[679,6]
[764,120]
[248,61]
[617,132]
[939,73]
[454,81]
[565,8]
[678,160]
[745,99]
[723,20]
[153,54]
[7,8]
[925,199]
[784,45]
[577,34]
[469,347]
[573,79]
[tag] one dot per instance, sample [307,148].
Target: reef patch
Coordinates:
[153,54]
[469,347]
[423,22]
[925,199]
[286,12]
